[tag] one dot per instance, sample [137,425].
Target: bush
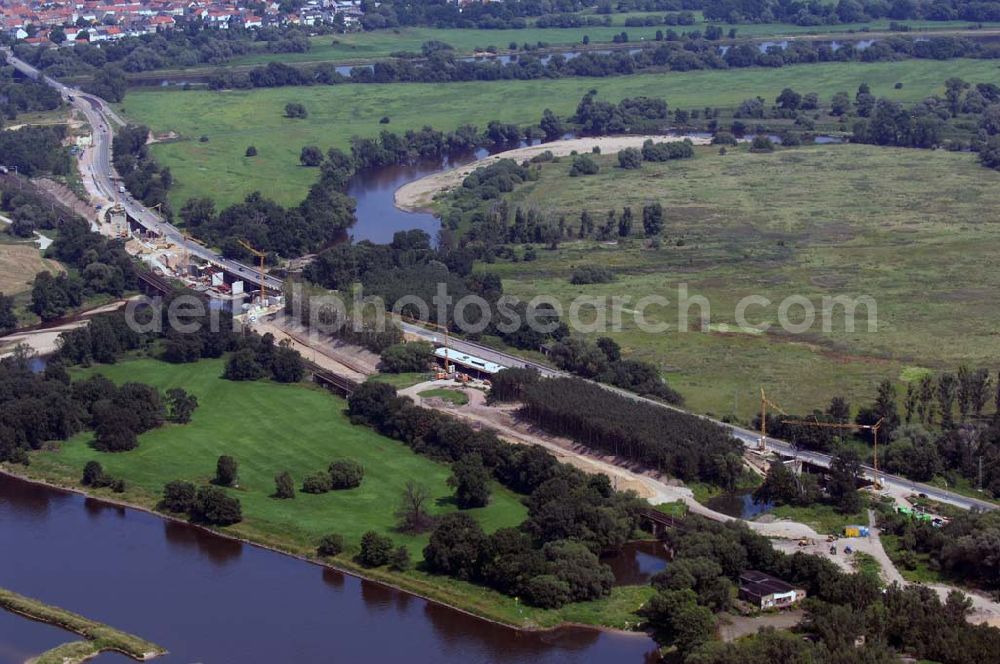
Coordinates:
[376,550]
[761,143]
[591,274]
[226,469]
[546,591]
[407,357]
[178,496]
[583,165]
[213,506]
[346,474]
[331,545]
[400,560]
[93,474]
[251,151]
[295,110]
[284,485]
[384,119]
[316,483]
[723,138]
[630,158]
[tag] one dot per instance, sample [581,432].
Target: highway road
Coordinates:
[100,116]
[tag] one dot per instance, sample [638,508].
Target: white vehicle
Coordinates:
[121,189]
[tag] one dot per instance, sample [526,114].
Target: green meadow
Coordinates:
[364,46]
[912,229]
[233,120]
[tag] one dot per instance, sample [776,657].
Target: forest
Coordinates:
[671,441]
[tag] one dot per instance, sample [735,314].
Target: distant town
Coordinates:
[96,21]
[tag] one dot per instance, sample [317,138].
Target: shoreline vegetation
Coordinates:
[98,636]
[380,576]
[294,527]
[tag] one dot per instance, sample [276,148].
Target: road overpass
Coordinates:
[101,116]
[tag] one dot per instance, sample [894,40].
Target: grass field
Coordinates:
[232,120]
[909,228]
[361,46]
[270,428]
[456,397]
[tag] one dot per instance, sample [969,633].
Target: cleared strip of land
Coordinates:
[99,637]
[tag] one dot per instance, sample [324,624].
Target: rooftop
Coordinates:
[469,360]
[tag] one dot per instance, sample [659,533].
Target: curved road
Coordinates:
[100,117]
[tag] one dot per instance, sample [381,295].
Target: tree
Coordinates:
[625,223]
[583,165]
[214,506]
[226,469]
[471,481]
[551,125]
[109,83]
[181,405]
[780,487]
[311,156]
[331,545]
[243,365]
[839,410]
[789,99]
[286,364]
[945,391]
[178,496]
[845,470]
[115,428]
[93,474]
[652,219]
[455,546]
[761,143]
[885,409]
[346,474]
[840,104]
[630,158]
[407,357]
[251,151]
[284,485]
[8,319]
[412,512]
[376,550]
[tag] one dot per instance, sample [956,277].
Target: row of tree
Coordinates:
[140,173]
[671,441]
[670,54]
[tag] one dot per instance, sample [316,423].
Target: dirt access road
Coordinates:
[624,476]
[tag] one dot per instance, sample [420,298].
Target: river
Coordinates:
[209,599]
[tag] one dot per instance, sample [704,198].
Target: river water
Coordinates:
[208,599]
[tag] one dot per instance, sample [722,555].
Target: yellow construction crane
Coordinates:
[261,255]
[764,403]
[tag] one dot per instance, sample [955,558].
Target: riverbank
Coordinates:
[245,420]
[418,195]
[463,598]
[99,637]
